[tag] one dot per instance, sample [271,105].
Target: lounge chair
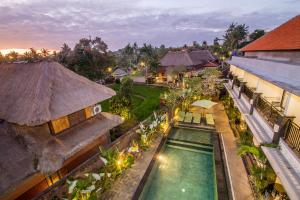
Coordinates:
[196,118]
[188,117]
[209,119]
[181,116]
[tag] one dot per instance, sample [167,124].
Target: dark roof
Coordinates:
[201,56]
[25,150]
[176,58]
[185,58]
[34,93]
[284,37]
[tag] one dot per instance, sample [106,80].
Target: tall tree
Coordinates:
[12,56]
[256,34]
[45,52]
[234,35]
[204,45]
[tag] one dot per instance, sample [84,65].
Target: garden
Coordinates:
[133,102]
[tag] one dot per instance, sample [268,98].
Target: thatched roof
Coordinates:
[176,58]
[201,56]
[34,93]
[27,150]
[185,58]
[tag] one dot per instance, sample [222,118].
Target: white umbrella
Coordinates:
[204,103]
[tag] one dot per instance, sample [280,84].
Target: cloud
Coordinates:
[49,24]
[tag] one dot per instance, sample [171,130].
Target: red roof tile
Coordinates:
[284,37]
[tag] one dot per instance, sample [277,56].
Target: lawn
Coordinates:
[145,100]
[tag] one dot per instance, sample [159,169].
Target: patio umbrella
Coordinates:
[204,103]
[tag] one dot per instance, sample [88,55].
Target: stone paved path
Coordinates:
[239,179]
[126,185]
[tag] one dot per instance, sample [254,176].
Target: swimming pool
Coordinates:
[184,168]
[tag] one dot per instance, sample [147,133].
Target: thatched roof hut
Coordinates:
[34,95]
[186,58]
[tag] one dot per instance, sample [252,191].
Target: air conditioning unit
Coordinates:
[97,109]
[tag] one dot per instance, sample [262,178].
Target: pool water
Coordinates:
[184,169]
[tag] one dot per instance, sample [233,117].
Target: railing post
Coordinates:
[233,81]
[280,127]
[253,102]
[242,86]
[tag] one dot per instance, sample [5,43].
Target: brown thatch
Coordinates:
[34,93]
[176,58]
[185,58]
[200,57]
[26,150]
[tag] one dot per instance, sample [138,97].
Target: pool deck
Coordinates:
[237,171]
[126,185]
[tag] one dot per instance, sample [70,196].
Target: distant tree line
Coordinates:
[92,59]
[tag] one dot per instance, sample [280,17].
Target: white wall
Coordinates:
[269,91]
[251,80]
[293,108]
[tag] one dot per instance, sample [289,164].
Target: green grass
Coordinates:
[145,100]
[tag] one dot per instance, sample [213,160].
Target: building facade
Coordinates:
[265,86]
[51,122]
[176,64]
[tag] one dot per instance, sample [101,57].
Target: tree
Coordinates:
[256,34]
[196,45]
[2,58]
[12,56]
[126,88]
[88,58]
[204,45]
[234,35]
[45,52]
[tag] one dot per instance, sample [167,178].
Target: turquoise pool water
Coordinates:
[184,169]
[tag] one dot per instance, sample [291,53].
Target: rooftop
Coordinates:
[185,58]
[284,37]
[34,93]
[284,75]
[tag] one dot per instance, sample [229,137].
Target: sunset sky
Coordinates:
[49,24]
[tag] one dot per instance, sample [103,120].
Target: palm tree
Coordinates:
[33,54]
[12,56]
[45,52]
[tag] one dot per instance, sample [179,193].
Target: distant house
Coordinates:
[50,123]
[180,63]
[119,73]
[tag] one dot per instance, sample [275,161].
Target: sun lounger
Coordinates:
[196,118]
[209,119]
[181,116]
[188,117]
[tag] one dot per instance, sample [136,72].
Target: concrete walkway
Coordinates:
[237,172]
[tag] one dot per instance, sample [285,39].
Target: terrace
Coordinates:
[268,104]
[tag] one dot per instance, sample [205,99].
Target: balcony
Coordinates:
[292,136]
[271,114]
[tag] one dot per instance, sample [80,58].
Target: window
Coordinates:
[60,124]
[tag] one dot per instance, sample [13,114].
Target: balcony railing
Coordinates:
[269,111]
[248,92]
[292,136]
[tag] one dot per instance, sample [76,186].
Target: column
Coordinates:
[280,127]
[253,101]
[241,89]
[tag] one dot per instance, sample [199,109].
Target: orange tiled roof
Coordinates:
[284,37]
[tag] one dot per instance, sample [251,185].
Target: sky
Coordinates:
[50,23]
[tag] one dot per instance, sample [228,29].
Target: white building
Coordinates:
[265,86]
